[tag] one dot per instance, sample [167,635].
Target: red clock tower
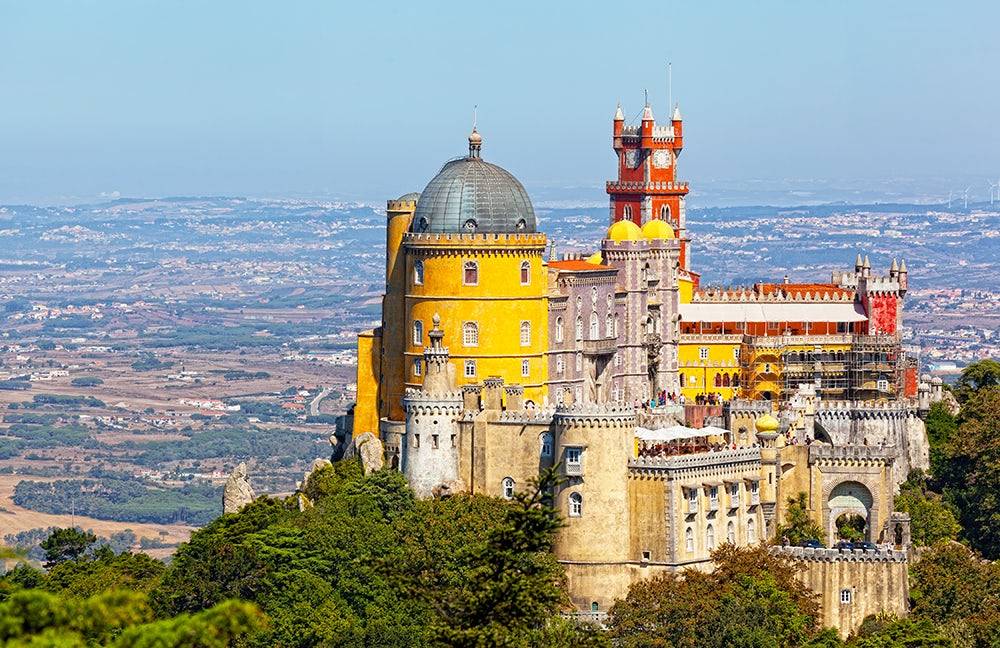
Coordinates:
[647,187]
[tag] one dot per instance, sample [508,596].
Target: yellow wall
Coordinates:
[685,289]
[366,406]
[499,303]
[721,360]
[399,214]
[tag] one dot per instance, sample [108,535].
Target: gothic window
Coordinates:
[560,365]
[593,295]
[689,540]
[751,532]
[645,273]
[418,332]
[617,325]
[470,368]
[470,334]
[846,596]
[609,326]
[418,272]
[507,486]
[525,368]
[470,275]
[736,380]
[579,363]
[525,273]
[731,533]
[525,333]
[575,504]
[627,212]
[579,303]
[718,380]
[650,328]
[559,329]
[710,538]
[725,380]
[665,213]
[417,368]
[595,332]
[579,327]
[611,302]
[546,444]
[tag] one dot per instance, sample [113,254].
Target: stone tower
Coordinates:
[430,445]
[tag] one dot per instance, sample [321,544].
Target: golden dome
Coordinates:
[767,424]
[658,229]
[624,230]
[595,258]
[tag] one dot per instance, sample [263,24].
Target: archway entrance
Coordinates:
[849,512]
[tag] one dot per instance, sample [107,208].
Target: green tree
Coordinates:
[799,526]
[951,583]
[887,631]
[66,544]
[977,376]
[941,429]
[931,519]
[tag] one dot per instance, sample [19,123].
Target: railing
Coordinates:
[754,499]
[605,346]
[573,469]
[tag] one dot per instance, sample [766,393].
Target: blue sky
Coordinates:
[366,99]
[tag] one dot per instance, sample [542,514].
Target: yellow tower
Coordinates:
[399,216]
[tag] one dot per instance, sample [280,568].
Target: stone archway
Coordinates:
[849,498]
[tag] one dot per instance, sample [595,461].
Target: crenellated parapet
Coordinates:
[748,407]
[856,410]
[542,416]
[810,554]
[429,243]
[698,460]
[417,402]
[777,296]
[594,415]
[851,455]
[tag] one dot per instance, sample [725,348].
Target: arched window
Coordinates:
[645,273]
[649,326]
[470,276]
[559,329]
[665,213]
[593,295]
[751,532]
[627,212]
[595,324]
[575,504]
[546,444]
[525,333]
[579,327]
[689,540]
[618,322]
[579,361]
[470,334]
[731,533]
[560,365]
[718,380]
[611,302]
[507,487]
[579,303]
[418,332]
[710,537]
[525,273]
[525,368]
[609,326]
[736,380]
[418,272]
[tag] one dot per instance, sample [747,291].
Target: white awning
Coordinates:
[673,433]
[767,312]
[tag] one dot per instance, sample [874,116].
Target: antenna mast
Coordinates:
[670,86]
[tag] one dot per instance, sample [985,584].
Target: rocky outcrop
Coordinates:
[238,492]
[368,448]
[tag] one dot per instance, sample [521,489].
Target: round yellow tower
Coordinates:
[474,255]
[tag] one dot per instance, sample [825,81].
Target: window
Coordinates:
[559,329]
[470,368]
[525,333]
[609,326]
[507,488]
[734,495]
[710,538]
[579,362]
[525,273]
[767,367]
[846,596]
[470,276]
[579,303]
[418,332]
[883,385]
[665,213]
[579,327]
[751,532]
[618,359]
[470,334]
[595,332]
[692,500]
[772,326]
[736,353]
[593,295]
[525,368]
[703,353]
[573,456]
[594,606]
[645,273]
[731,533]
[627,212]
[560,365]
[617,327]
[689,540]
[611,302]
[417,369]
[418,272]
[546,444]
[713,496]
[575,504]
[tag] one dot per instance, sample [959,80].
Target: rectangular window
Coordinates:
[772,326]
[703,353]
[560,365]
[846,596]
[572,456]
[525,368]
[841,327]
[470,368]
[736,353]
[417,368]
[741,326]
[713,496]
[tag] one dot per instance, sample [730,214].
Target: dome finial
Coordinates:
[475,139]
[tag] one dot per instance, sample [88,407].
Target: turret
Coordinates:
[857,264]
[619,125]
[866,267]
[903,278]
[678,129]
[646,127]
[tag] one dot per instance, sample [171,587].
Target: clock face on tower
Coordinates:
[631,158]
[662,158]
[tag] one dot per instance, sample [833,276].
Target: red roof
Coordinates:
[577,265]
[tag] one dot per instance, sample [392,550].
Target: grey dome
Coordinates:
[469,195]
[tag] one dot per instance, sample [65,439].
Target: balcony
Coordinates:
[692,506]
[754,498]
[573,469]
[713,504]
[604,346]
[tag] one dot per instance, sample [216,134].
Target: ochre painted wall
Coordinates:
[366,406]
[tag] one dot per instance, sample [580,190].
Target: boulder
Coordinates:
[238,492]
[369,449]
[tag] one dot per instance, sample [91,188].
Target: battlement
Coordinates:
[740,406]
[851,454]
[883,554]
[537,416]
[420,396]
[401,205]
[776,296]
[597,415]
[461,240]
[634,186]
[865,409]
[696,460]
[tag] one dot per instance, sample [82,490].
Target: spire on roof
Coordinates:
[677,112]
[902,267]
[894,267]
[619,115]
[866,264]
[647,113]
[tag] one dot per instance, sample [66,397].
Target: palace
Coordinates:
[681,418]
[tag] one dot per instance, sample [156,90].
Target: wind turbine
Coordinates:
[950,191]
[993,188]
[967,196]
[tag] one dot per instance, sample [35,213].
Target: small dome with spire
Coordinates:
[619,115]
[677,112]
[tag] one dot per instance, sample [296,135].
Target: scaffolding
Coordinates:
[773,367]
